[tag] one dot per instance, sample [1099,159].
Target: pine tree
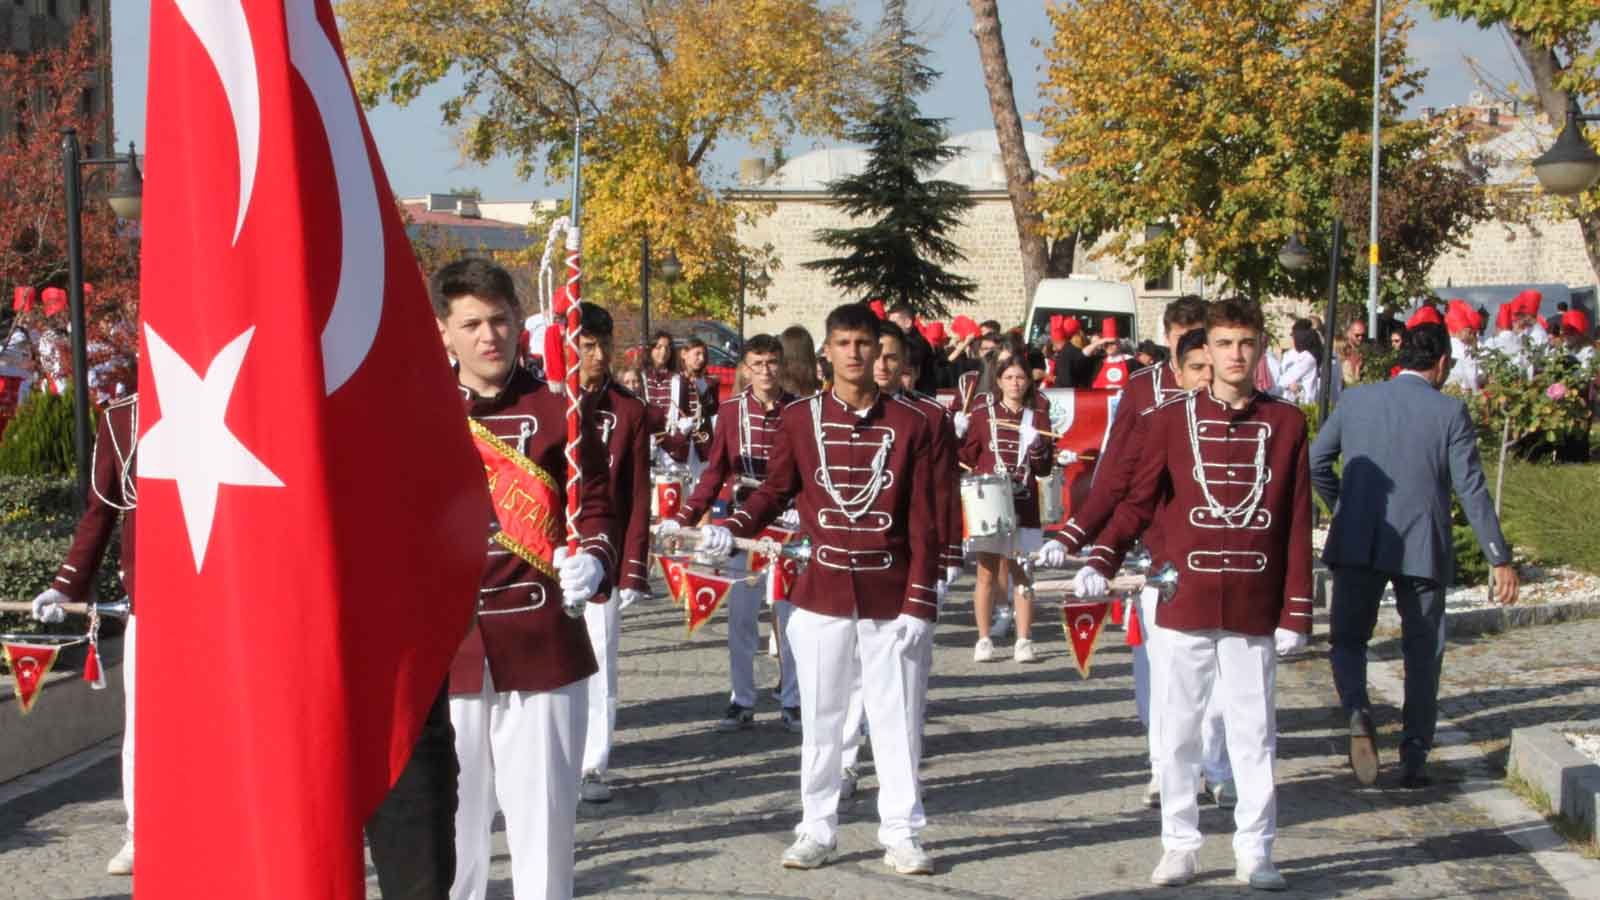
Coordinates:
[900,255]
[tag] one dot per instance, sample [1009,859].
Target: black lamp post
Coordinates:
[759,282]
[126,201]
[1295,257]
[1571,165]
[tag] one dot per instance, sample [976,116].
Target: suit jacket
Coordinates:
[1405,446]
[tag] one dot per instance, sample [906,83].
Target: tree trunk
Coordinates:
[1013,152]
[1546,68]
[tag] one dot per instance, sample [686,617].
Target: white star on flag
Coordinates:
[191,444]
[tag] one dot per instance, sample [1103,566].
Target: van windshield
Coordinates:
[1089,324]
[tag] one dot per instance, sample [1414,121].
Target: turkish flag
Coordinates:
[1083,623]
[1082,418]
[673,570]
[29,664]
[703,594]
[307,485]
[780,536]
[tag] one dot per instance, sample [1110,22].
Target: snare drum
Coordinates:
[1051,509]
[668,496]
[987,505]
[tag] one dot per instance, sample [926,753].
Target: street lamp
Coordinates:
[125,199]
[1296,257]
[670,270]
[759,282]
[1571,165]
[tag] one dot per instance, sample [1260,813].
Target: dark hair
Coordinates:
[889,329]
[993,368]
[1305,338]
[799,370]
[672,347]
[852,317]
[1193,339]
[1188,311]
[1235,311]
[693,343]
[1422,347]
[762,343]
[900,309]
[477,277]
[916,355]
[595,321]
[991,324]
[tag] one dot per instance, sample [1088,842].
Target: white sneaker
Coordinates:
[1152,792]
[593,788]
[1002,622]
[1260,874]
[983,651]
[908,858]
[1023,651]
[122,863]
[806,853]
[1177,867]
[1223,794]
[848,779]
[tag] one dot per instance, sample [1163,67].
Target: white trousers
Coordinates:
[1242,669]
[519,754]
[604,621]
[825,648]
[855,718]
[127,721]
[744,639]
[1147,667]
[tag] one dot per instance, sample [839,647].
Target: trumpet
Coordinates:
[116,610]
[1164,580]
[684,539]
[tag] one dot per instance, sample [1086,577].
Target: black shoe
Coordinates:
[737,718]
[1363,747]
[791,719]
[1412,770]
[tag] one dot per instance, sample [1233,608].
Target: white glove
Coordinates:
[790,520]
[716,542]
[627,598]
[1089,584]
[941,589]
[668,527]
[913,627]
[684,425]
[580,578]
[1066,457]
[951,573]
[1053,555]
[47,606]
[1289,642]
[961,420]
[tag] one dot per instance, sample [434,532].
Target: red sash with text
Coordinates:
[526,501]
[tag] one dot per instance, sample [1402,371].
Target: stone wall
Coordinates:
[1499,253]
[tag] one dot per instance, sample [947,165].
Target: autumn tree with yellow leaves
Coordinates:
[659,86]
[1226,120]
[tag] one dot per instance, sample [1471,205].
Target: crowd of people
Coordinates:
[1208,465]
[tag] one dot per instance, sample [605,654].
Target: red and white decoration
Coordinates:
[703,594]
[1083,623]
[29,663]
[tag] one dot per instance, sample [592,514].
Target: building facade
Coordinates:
[29,25]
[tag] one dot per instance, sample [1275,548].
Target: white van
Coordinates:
[1085,298]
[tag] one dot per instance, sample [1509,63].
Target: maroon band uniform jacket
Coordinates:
[111,475]
[946,478]
[872,555]
[617,417]
[1147,388]
[735,457]
[520,628]
[1241,539]
[677,399]
[1000,451]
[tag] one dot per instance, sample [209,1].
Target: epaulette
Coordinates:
[799,400]
[1168,402]
[125,400]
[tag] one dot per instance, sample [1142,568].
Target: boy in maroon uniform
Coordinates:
[617,418]
[855,460]
[1225,475]
[518,698]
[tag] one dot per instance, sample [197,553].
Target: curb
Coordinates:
[1495,619]
[69,717]
[1571,780]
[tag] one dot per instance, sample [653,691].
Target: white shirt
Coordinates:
[1298,379]
[1466,374]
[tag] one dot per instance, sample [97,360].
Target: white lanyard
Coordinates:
[1023,428]
[858,503]
[1239,515]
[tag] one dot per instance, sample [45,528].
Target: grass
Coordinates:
[1549,512]
[1574,833]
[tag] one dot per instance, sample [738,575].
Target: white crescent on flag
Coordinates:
[225,35]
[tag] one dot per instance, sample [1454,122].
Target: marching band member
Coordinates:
[667,390]
[706,387]
[856,460]
[747,426]
[1004,438]
[618,417]
[518,692]
[1225,471]
[1188,367]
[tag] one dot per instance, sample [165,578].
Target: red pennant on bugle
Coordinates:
[29,663]
[702,596]
[673,571]
[1083,623]
[758,561]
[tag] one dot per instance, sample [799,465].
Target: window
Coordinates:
[86,101]
[52,8]
[1162,282]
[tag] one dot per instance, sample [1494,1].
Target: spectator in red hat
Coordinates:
[1462,322]
[1575,335]
[1524,331]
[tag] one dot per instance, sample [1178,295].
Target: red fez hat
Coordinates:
[55,300]
[1542,323]
[1071,326]
[1108,328]
[1502,316]
[1424,316]
[1058,328]
[1458,317]
[964,327]
[1575,321]
[877,309]
[932,332]
[1527,303]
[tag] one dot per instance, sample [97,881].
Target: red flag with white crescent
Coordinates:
[307,486]
[781,536]
[29,664]
[673,571]
[1082,418]
[703,594]
[1083,623]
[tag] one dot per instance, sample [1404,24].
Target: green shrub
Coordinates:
[39,439]
[1471,565]
[37,519]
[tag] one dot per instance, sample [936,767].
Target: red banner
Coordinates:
[29,663]
[1082,418]
[673,571]
[702,596]
[525,501]
[1083,623]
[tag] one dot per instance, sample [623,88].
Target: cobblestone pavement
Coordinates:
[1032,783]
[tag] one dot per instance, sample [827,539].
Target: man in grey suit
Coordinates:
[1405,445]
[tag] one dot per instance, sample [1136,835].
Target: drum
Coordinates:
[1051,509]
[668,496]
[987,505]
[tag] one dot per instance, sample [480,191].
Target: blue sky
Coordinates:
[420,156]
